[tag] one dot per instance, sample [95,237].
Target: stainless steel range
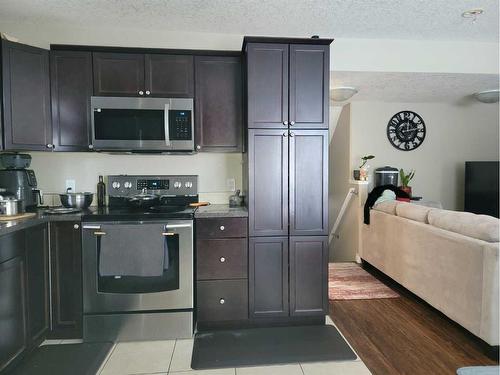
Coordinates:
[138,260]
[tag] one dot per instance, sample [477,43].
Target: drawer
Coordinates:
[222,300]
[221,259]
[221,227]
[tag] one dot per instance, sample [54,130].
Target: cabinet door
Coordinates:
[66,277]
[309,86]
[267,85]
[308,275]
[268,277]
[268,182]
[26,118]
[308,182]
[13,316]
[37,281]
[169,75]
[219,104]
[118,74]
[71,87]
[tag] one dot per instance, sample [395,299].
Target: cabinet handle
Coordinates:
[222,301]
[222,227]
[285,122]
[99,233]
[292,123]
[168,234]
[50,145]
[198,147]
[222,259]
[91,147]
[148,92]
[76,226]
[292,134]
[141,92]
[285,134]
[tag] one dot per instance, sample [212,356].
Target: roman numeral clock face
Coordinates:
[406,130]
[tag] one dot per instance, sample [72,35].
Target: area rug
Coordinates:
[349,281]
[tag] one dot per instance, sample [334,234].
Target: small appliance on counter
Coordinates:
[15,178]
[9,204]
[386,176]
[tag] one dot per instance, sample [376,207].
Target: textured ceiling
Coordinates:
[415,87]
[395,19]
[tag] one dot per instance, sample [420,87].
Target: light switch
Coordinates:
[231,184]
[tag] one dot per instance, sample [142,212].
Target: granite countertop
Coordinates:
[220,210]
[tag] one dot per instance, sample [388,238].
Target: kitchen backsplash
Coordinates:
[215,171]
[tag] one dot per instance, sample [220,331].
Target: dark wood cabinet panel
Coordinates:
[37,272]
[222,300]
[221,259]
[66,277]
[169,75]
[309,85]
[218,104]
[267,85]
[26,97]
[71,89]
[14,322]
[221,227]
[268,182]
[120,74]
[268,276]
[308,275]
[308,182]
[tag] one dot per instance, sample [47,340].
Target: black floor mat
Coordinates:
[65,359]
[268,346]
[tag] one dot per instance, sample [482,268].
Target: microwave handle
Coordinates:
[167,131]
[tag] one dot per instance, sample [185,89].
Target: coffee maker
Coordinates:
[18,180]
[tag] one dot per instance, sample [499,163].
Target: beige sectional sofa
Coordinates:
[447,258]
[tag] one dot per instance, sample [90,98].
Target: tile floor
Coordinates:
[174,357]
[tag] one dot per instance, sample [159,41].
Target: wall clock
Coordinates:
[406,130]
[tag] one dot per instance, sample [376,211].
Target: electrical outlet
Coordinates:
[71,184]
[231,184]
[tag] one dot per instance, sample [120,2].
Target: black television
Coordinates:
[481,187]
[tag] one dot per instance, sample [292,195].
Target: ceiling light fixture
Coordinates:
[488,96]
[473,14]
[343,93]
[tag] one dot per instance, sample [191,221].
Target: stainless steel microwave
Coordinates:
[142,124]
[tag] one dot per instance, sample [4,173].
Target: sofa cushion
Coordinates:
[413,212]
[389,207]
[482,227]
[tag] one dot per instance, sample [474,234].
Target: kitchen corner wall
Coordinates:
[213,169]
[455,134]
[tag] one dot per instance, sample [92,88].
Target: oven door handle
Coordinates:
[167,130]
[172,226]
[91,227]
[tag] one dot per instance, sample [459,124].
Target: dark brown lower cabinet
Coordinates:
[222,300]
[268,277]
[66,274]
[308,275]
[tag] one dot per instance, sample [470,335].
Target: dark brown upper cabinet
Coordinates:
[26,114]
[118,74]
[169,75]
[218,104]
[308,275]
[268,277]
[136,74]
[268,182]
[308,173]
[71,89]
[309,84]
[288,85]
[267,85]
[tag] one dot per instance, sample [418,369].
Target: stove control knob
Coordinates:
[127,185]
[188,184]
[177,184]
[115,185]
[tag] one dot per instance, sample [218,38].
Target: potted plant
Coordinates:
[405,180]
[362,168]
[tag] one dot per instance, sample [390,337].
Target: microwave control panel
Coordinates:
[180,125]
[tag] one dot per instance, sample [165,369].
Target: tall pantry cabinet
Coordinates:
[287,181]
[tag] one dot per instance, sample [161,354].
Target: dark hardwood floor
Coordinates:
[406,336]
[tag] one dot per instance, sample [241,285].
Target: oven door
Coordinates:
[173,289]
[142,124]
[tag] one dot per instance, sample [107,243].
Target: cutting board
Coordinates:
[26,215]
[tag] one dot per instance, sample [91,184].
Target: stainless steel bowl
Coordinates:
[76,200]
[9,204]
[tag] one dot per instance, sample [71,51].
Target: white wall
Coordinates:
[455,134]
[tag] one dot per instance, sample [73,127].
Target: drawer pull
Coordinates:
[76,226]
[168,234]
[222,227]
[222,259]
[222,301]
[98,233]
